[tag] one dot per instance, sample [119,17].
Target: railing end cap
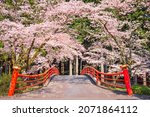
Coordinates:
[124,66]
[16,67]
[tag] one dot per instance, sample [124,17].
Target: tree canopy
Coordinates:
[108,31]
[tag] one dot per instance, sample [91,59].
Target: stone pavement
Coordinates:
[74,87]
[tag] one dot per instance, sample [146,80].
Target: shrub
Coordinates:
[138,89]
[4,84]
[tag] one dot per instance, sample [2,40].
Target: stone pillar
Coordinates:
[77,65]
[70,67]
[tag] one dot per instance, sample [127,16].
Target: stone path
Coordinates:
[74,87]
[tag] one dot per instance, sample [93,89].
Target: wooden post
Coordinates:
[127,79]
[13,80]
[70,67]
[77,65]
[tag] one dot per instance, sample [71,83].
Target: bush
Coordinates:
[4,84]
[138,89]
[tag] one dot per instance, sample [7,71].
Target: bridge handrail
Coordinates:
[101,77]
[102,73]
[29,80]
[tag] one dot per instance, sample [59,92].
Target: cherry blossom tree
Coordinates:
[129,45]
[44,26]
[25,43]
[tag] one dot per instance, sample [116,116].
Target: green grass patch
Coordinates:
[120,89]
[138,89]
[117,89]
[4,84]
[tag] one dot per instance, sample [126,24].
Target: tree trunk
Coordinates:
[135,79]
[144,80]
[77,65]
[62,68]
[74,67]
[102,70]
[28,54]
[70,67]
[80,66]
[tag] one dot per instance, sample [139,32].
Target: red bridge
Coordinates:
[90,84]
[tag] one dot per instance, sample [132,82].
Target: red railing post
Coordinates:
[13,80]
[127,79]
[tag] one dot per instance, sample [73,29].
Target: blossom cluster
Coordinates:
[44,26]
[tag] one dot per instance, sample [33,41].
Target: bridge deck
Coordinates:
[73,87]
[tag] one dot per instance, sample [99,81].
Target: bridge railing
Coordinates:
[20,82]
[118,80]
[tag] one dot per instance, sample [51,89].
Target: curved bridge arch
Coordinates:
[118,80]
[20,82]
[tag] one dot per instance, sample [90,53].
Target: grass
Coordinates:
[120,89]
[4,84]
[139,89]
